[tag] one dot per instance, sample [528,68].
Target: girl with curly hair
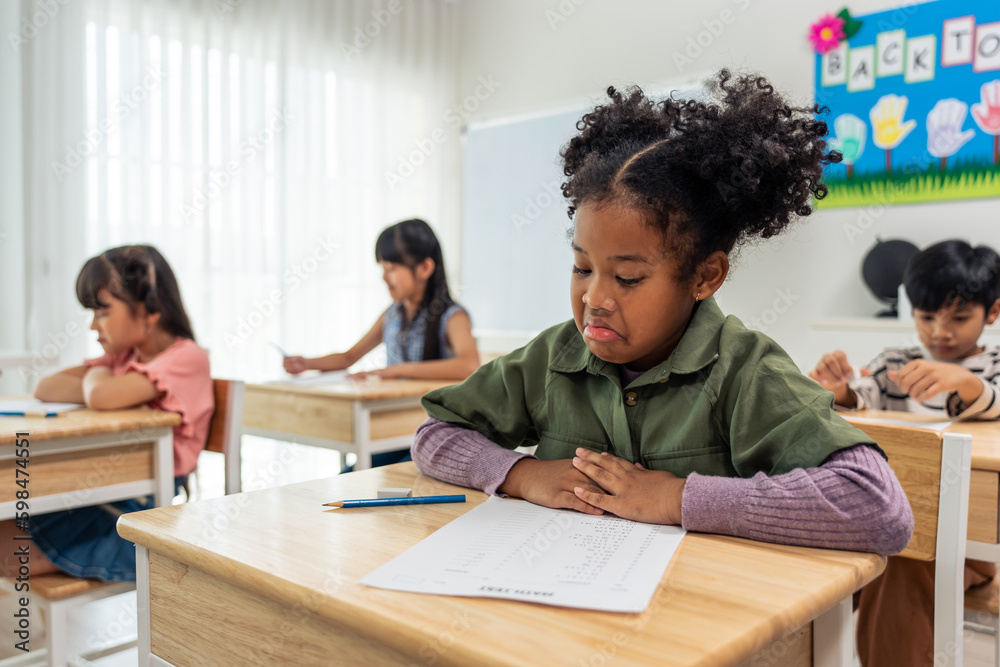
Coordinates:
[651,404]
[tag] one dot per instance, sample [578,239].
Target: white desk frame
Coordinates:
[363,446]
[161,485]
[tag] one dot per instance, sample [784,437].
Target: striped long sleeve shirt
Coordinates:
[878,392]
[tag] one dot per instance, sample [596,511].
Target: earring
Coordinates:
[697,297]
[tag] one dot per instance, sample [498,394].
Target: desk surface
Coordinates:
[721,600]
[367,390]
[78,423]
[985,434]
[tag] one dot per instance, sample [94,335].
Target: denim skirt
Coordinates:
[83,542]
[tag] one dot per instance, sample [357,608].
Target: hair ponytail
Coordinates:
[409,243]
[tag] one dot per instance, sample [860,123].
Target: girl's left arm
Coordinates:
[852,501]
[462,365]
[103,391]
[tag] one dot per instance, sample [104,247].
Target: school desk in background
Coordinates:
[86,457]
[361,417]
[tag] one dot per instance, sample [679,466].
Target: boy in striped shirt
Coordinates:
[955,292]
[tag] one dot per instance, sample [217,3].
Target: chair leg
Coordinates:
[949,565]
[56,628]
[996,638]
[233,468]
[948,614]
[833,637]
[989,553]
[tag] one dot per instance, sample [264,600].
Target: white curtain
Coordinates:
[260,145]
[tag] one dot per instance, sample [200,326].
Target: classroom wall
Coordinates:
[12,250]
[526,56]
[545,54]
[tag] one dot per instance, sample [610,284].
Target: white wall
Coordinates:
[12,250]
[545,53]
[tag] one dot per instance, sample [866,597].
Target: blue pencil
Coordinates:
[378,502]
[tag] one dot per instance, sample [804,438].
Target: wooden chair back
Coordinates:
[226,427]
[934,470]
[915,455]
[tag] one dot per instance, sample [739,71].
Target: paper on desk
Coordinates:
[34,407]
[519,551]
[933,426]
[320,378]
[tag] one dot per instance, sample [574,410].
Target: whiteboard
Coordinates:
[516,256]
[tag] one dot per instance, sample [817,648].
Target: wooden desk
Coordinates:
[271,577]
[86,457]
[358,417]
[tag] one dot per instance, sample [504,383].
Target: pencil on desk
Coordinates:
[378,502]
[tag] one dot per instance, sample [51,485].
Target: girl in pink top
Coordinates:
[150,359]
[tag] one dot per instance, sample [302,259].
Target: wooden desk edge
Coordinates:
[365,623]
[67,426]
[985,446]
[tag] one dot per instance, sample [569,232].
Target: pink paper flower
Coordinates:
[826,33]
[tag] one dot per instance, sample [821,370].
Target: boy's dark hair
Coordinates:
[408,243]
[708,175]
[136,274]
[953,273]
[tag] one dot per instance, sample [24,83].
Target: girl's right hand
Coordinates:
[296,365]
[550,484]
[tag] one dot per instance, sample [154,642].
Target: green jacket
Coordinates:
[728,401]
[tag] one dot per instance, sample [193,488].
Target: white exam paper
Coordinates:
[35,407]
[310,379]
[513,549]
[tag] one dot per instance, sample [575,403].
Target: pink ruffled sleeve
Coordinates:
[182,373]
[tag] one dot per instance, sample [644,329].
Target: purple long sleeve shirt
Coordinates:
[852,501]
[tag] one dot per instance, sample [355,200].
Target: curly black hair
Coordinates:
[708,175]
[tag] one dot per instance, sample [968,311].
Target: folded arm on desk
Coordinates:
[852,501]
